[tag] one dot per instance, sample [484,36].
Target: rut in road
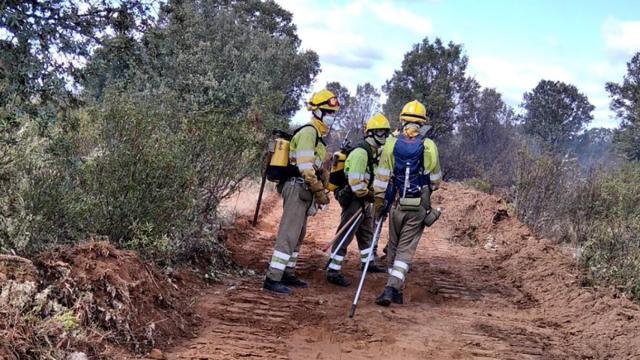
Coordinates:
[482,286]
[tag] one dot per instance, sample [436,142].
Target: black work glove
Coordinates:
[369,197]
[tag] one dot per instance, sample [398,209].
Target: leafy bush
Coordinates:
[144,178]
[164,126]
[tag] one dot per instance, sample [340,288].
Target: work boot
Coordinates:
[292,280]
[336,278]
[386,297]
[397,297]
[276,286]
[373,268]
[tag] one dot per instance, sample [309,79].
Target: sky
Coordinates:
[511,44]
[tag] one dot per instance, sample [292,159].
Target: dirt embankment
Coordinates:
[90,298]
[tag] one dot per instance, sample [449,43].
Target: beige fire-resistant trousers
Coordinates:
[405,230]
[297,200]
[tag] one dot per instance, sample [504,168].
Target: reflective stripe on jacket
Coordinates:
[357,172]
[303,151]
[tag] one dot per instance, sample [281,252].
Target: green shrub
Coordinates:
[480,184]
[165,122]
[128,170]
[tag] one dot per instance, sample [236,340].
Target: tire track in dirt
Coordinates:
[518,299]
[243,324]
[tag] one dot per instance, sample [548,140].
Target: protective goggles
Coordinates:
[381,132]
[333,102]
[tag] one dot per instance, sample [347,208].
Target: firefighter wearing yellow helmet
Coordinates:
[409,171]
[302,192]
[357,194]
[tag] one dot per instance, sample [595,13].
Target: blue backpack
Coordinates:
[408,172]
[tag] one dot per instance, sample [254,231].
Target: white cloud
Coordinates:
[513,79]
[603,118]
[392,14]
[604,70]
[353,39]
[622,38]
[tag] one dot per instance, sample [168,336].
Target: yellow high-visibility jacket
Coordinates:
[307,153]
[356,169]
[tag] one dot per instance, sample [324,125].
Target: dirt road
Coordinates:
[481,287]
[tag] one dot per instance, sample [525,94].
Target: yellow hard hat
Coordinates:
[377,121]
[414,112]
[323,99]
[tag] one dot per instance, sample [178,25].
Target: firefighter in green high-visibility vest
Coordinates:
[410,168]
[300,191]
[357,194]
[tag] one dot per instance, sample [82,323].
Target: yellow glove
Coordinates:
[310,178]
[321,197]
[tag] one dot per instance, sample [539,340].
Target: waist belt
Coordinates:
[300,181]
[297,180]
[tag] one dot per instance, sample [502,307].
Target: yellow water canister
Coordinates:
[280,156]
[337,177]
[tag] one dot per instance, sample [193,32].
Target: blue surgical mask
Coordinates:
[329,119]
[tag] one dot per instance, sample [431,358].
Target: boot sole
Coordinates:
[340,285]
[277,292]
[299,286]
[383,302]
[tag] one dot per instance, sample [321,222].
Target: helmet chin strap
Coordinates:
[317,113]
[375,141]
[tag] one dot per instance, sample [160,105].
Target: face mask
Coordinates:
[380,139]
[329,119]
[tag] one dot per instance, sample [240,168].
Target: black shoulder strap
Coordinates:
[318,137]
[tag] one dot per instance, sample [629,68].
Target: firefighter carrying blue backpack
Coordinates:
[408,172]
